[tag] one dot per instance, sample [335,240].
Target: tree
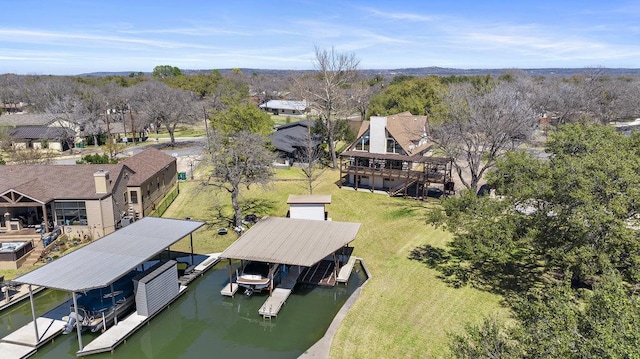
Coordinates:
[480,123]
[420,96]
[164,106]
[327,92]
[239,159]
[165,71]
[575,213]
[557,321]
[239,117]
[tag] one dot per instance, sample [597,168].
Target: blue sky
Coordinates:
[74,36]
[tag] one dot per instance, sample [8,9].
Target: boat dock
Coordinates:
[345,271]
[196,271]
[227,291]
[117,334]
[12,297]
[22,342]
[279,296]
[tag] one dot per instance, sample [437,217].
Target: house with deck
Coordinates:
[393,154]
[82,200]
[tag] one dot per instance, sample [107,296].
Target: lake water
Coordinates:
[203,324]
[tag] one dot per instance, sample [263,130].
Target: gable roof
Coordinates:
[146,164]
[41,133]
[45,183]
[291,136]
[408,130]
[27,119]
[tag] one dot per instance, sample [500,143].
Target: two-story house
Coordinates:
[392,154]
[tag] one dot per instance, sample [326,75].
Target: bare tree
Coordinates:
[327,92]
[166,107]
[481,124]
[312,155]
[239,159]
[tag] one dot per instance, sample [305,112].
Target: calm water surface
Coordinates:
[203,324]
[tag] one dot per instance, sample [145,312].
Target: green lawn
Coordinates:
[405,310]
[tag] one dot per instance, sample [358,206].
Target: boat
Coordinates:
[99,308]
[256,276]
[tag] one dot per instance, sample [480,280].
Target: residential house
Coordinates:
[88,200]
[285,107]
[31,130]
[293,140]
[392,154]
[42,137]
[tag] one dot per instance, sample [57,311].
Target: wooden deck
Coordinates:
[227,291]
[23,343]
[196,271]
[322,273]
[279,296]
[117,334]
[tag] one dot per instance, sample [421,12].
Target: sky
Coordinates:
[70,37]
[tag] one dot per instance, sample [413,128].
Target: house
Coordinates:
[285,107]
[88,200]
[292,141]
[42,137]
[32,130]
[392,154]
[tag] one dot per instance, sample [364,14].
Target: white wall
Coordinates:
[307,211]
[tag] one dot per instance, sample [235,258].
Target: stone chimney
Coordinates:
[101,179]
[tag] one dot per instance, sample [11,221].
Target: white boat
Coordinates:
[256,276]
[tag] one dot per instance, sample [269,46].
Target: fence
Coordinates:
[166,202]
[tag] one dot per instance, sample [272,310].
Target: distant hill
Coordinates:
[416,71]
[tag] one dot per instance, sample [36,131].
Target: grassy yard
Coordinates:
[405,310]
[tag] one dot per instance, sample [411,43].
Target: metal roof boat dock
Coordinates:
[293,242]
[98,265]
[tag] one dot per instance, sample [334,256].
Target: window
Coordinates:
[124,195]
[134,197]
[363,143]
[71,213]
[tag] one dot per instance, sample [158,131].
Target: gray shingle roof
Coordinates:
[291,241]
[104,261]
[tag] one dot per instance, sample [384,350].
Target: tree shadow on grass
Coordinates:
[500,278]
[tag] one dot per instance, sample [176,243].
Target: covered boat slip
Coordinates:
[101,263]
[287,241]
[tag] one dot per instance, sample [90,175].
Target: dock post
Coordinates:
[78,322]
[33,314]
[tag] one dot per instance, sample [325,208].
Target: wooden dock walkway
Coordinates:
[194,272]
[279,296]
[117,334]
[18,296]
[345,271]
[226,291]
[22,342]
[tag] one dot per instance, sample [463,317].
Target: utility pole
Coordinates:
[109,142]
[133,130]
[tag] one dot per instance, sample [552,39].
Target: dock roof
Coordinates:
[102,262]
[291,241]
